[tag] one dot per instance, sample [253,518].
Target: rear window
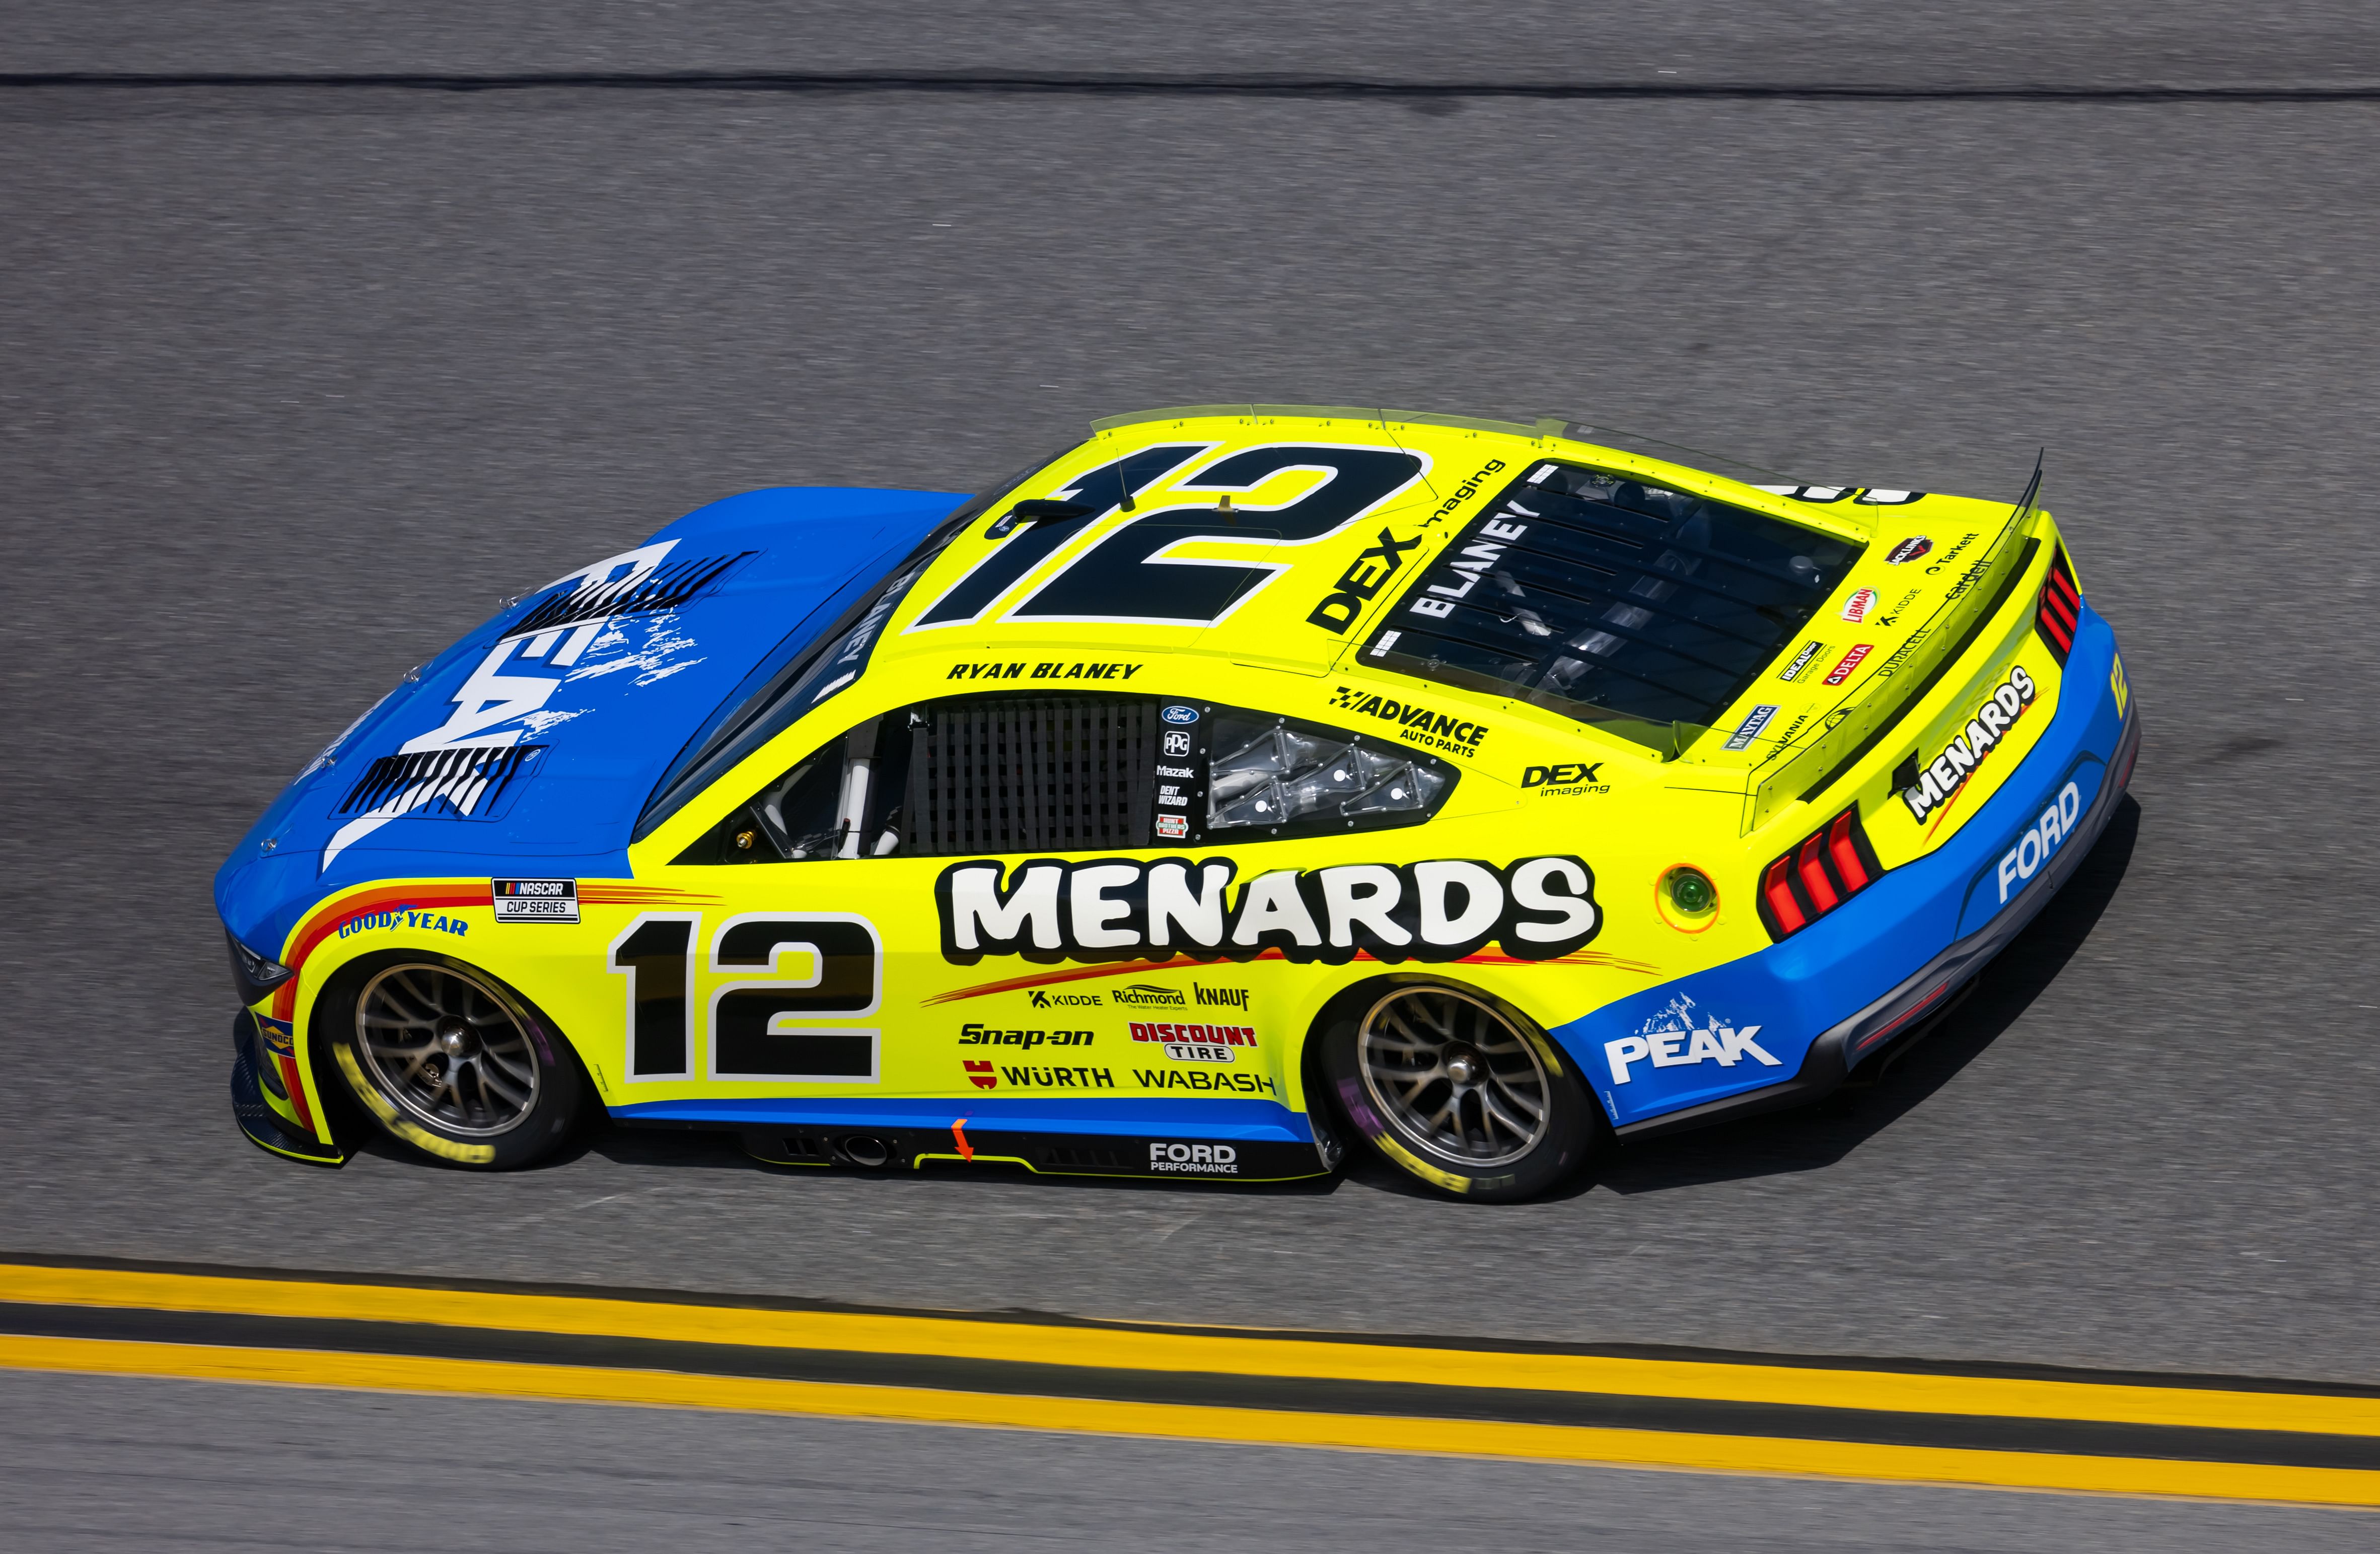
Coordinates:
[1645,610]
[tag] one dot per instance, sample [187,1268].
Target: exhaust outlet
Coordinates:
[861,1150]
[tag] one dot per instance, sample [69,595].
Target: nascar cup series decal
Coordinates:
[535,900]
[1946,772]
[1441,909]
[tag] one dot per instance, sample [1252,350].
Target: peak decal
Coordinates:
[1440,909]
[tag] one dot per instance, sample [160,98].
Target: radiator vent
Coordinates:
[664,588]
[462,783]
[1059,775]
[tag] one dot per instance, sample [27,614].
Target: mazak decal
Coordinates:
[1415,724]
[990,1036]
[1362,582]
[1933,783]
[2041,840]
[1909,550]
[1810,649]
[579,629]
[1204,1159]
[1108,909]
[535,900]
[1748,730]
[1856,607]
[1195,1043]
[1679,1037]
[1842,671]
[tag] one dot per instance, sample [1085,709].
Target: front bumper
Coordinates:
[265,1127]
[1836,993]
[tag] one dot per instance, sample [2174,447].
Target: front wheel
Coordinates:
[453,1062]
[1461,1093]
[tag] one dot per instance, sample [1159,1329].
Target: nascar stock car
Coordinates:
[1246,781]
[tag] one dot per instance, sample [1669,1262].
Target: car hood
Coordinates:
[531,745]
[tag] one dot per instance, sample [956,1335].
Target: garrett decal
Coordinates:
[1946,772]
[1362,582]
[1419,726]
[1441,909]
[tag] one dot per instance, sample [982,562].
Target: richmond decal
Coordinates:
[1441,909]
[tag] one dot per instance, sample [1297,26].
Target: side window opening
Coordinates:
[991,775]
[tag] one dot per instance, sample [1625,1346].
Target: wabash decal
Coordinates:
[1926,789]
[1440,909]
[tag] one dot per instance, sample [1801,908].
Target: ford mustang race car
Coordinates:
[1244,782]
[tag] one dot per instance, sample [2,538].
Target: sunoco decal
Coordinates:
[1113,909]
[1946,772]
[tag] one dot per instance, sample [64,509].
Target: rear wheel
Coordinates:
[1460,1092]
[449,1061]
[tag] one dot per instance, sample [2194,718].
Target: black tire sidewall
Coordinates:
[561,1091]
[1576,1119]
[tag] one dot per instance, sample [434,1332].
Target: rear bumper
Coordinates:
[1839,991]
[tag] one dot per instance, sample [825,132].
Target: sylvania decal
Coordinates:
[1440,909]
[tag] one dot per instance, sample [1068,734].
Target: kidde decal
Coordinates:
[1842,671]
[1441,909]
[1856,607]
[1946,772]
[1909,550]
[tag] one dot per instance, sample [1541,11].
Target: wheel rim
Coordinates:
[448,1049]
[1450,1072]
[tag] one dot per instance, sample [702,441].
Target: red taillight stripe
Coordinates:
[2067,614]
[1778,889]
[1812,866]
[1846,853]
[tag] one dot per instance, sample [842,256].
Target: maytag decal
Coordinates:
[1109,909]
[1748,730]
[1944,775]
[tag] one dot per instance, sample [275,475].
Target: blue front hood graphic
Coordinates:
[534,742]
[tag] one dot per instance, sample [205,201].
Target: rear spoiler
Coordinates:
[1856,726]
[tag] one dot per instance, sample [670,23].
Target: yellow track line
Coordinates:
[960,1338]
[1560,1443]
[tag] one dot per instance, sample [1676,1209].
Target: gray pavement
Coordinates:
[295,384]
[94,1465]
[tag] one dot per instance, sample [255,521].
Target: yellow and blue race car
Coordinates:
[1244,780]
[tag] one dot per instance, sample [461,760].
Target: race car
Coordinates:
[1244,782]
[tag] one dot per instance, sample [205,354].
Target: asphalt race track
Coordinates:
[298,377]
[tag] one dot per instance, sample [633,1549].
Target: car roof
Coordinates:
[1331,512]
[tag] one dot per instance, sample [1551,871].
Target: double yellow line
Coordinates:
[388,1336]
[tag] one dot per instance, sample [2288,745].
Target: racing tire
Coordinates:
[450,1061]
[1458,1091]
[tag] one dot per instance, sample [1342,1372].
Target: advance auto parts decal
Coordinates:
[1437,910]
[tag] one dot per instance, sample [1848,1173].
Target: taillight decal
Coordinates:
[2059,609]
[1818,874]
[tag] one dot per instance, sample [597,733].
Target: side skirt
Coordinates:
[1044,1154]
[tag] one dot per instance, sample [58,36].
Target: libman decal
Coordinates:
[1929,787]
[1441,909]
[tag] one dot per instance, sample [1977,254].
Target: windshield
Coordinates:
[1613,601]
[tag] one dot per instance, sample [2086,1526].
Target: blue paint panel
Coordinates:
[1138,1118]
[1795,992]
[610,722]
